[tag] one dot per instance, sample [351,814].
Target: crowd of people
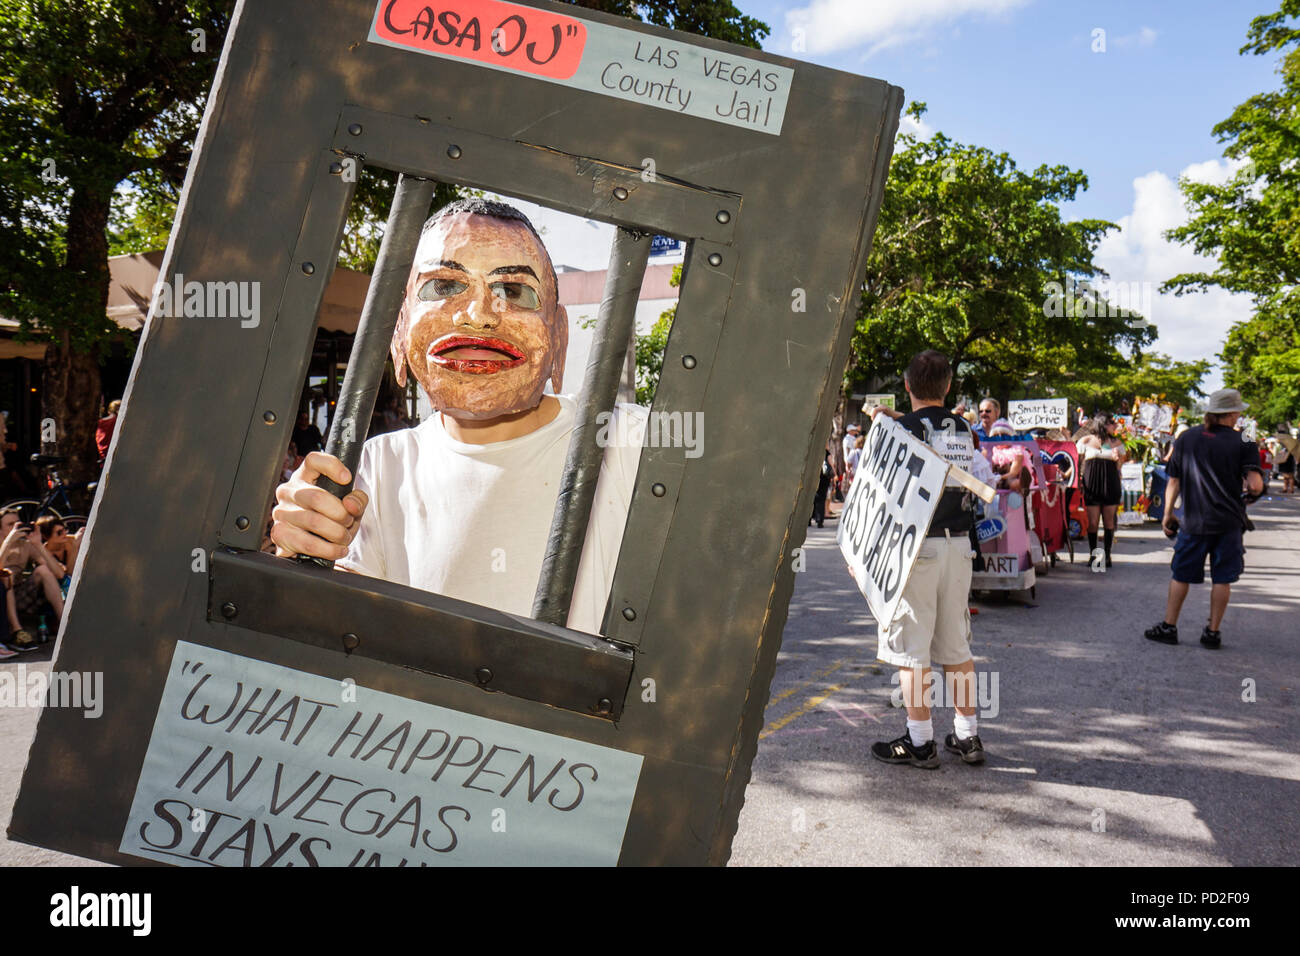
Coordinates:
[36,564]
[1214,472]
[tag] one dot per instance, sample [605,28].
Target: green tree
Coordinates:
[1251,226]
[966,248]
[718,19]
[1103,389]
[102,101]
[99,95]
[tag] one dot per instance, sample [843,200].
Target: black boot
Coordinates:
[1109,540]
[1092,543]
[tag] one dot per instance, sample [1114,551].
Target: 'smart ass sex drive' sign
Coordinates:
[254,764]
[895,491]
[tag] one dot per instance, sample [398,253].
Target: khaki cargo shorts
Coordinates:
[933,619]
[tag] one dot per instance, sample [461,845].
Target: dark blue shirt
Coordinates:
[1210,464]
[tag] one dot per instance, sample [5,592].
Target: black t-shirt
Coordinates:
[307,440]
[1210,463]
[950,436]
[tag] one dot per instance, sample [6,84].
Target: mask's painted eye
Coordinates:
[519,294]
[441,289]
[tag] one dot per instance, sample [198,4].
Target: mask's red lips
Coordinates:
[475,354]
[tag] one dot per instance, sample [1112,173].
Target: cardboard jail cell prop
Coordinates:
[264,710]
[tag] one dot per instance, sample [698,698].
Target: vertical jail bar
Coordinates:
[370,347]
[617,323]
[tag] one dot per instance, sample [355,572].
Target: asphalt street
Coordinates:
[1106,748]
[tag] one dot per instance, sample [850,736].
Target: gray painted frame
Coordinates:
[704,578]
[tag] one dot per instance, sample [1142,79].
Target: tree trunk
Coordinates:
[70,390]
[70,400]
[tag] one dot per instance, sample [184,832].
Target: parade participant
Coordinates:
[1285,459]
[990,412]
[1209,467]
[851,435]
[1102,454]
[823,486]
[933,620]
[462,504]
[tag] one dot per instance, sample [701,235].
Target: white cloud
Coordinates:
[1144,37]
[1194,325]
[829,25]
[918,128]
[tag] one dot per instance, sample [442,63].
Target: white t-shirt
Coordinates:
[471,521]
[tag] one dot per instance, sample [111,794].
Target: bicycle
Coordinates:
[29,509]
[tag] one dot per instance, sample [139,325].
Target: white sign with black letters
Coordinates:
[255,764]
[895,492]
[1025,414]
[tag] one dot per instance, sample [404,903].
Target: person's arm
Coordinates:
[310,520]
[1252,473]
[50,561]
[1172,487]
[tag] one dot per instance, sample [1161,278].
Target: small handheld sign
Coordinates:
[1027,414]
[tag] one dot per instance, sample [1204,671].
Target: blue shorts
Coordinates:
[1226,557]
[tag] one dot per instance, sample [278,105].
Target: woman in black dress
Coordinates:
[1101,453]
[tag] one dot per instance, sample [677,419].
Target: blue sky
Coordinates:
[1021,76]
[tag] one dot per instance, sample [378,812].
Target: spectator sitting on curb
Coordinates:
[9,631]
[1208,468]
[19,549]
[60,544]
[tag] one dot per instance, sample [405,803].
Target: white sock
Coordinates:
[964,726]
[921,731]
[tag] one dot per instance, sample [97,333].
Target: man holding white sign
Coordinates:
[904,486]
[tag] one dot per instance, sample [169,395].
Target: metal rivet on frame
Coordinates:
[658,490]
[629,614]
[228,610]
[723,216]
[268,417]
[242,522]
[308,268]
[688,361]
[603,706]
[351,642]
[715,259]
[454,151]
[355,129]
[483,675]
[620,193]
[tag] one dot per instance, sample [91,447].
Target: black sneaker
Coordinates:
[22,641]
[1163,632]
[970,749]
[1210,638]
[903,750]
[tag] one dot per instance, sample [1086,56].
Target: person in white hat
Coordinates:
[1209,467]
